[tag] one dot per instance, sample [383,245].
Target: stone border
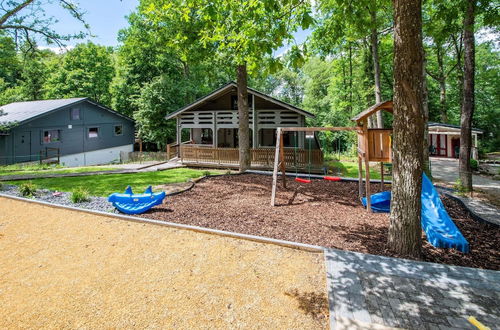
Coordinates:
[473,214]
[259,239]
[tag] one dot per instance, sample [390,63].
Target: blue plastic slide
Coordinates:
[130,203]
[440,229]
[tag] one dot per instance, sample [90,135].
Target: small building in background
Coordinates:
[75,131]
[444,140]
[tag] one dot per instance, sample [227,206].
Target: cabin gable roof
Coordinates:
[230,87]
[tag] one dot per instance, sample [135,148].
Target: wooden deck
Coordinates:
[262,158]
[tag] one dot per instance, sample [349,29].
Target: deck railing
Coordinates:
[260,157]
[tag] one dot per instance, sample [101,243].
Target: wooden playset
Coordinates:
[374,145]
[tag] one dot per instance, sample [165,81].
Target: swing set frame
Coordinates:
[374,145]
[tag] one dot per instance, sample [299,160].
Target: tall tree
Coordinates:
[87,70]
[405,233]
[242,33]
[468,97]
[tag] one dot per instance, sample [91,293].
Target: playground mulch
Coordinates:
[65,269]
[322,213]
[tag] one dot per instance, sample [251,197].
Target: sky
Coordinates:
[106,18]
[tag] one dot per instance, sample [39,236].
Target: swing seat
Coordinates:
[302,180]
[332,178]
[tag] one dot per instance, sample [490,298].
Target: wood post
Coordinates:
[275,168]
[360,175]
[381,176]
[366,157]
[282,159]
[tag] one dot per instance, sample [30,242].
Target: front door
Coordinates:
[23,147]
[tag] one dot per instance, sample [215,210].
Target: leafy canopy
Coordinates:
[241,32]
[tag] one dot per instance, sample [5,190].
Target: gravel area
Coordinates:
[62,198]
[322,213]
[64,269]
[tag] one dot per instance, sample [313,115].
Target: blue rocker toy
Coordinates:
[130,203]
[439,228]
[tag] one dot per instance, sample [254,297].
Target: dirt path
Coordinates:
[66,269]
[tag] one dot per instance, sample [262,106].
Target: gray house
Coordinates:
[79,131]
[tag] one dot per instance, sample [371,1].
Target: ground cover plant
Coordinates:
[103,185]
[80,195]
[27,189]
[321,213]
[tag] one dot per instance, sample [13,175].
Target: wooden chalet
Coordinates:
[207,131]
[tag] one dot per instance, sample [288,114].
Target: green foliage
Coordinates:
[474,164]
[80,195]
[460,188]
[206,173]
[87,70]
[27,189]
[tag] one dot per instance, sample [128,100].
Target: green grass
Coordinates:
[103,185]
[350,169]
[32,170]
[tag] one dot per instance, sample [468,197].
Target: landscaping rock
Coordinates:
[63,198]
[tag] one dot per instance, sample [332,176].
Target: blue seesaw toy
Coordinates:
[130,203]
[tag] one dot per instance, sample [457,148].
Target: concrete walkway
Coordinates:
[446,170]
[374,292]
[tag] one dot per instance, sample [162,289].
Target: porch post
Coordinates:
[178,130]
[214,131]
[254,128]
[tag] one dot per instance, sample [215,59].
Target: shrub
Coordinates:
[80,195]
[1,186]
[27,189]
[228,172]
[206,173]
[460,188]
[474,165]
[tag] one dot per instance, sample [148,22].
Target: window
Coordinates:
[75,114]
[118,130]
[51,136]
[93,132]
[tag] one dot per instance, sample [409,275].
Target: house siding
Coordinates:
[73,139]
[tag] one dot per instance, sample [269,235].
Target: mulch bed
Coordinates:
[321,213]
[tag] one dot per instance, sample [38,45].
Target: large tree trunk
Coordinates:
[425,97]
[376,65]
[405,233]
[468,98]
[458,45]
[244,130]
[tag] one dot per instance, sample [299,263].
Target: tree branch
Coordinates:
[14,11]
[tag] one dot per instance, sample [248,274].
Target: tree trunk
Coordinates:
[405,233]
[244,129]
[458,43]
[425,97]
[442,85]
[468,98]
[350,80]
[376,65]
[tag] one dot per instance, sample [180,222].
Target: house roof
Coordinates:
[20,112]
[450,127]
[230,86]
[385,105]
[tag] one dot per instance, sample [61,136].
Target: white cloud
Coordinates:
[57,49]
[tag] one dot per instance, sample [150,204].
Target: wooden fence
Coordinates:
[261,157]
